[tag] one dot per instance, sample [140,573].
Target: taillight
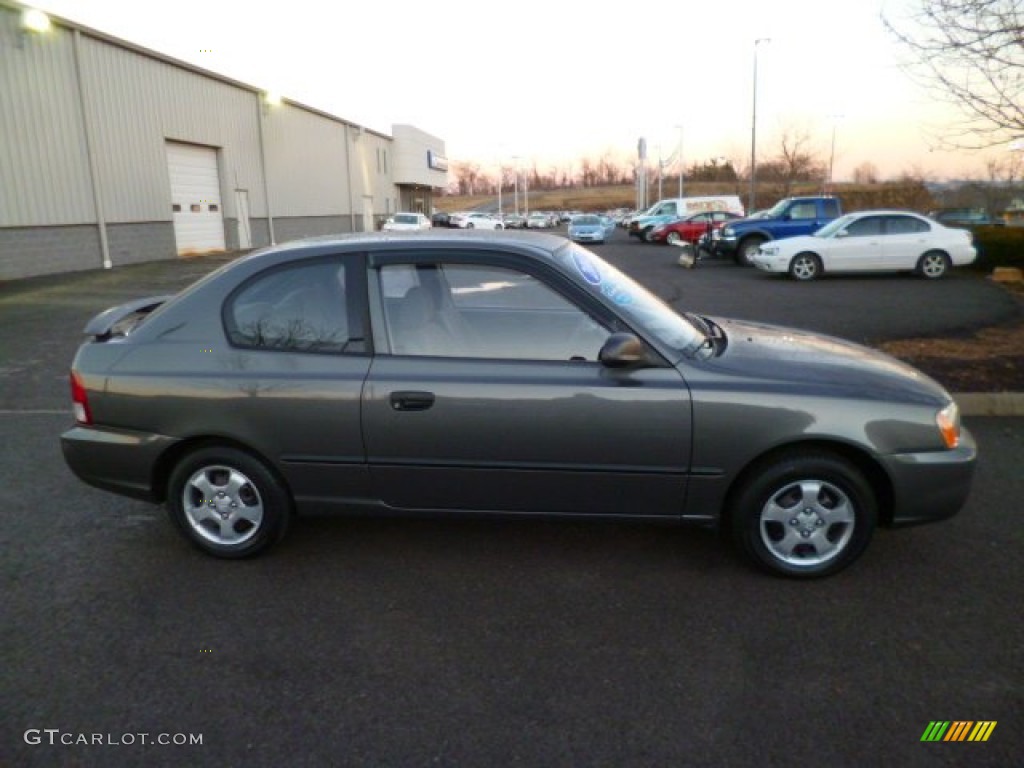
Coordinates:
[80,400]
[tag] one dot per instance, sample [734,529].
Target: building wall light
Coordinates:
[33,20]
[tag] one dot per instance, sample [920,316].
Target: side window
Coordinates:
[866,227]
[904,225]
[803,211]
[299,308]
[831,208]
[477,311]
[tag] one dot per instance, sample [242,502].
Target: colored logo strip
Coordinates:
[958,730]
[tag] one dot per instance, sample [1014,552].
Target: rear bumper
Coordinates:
[117,460]
[931,486]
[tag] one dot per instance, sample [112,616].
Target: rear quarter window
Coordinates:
[300,308]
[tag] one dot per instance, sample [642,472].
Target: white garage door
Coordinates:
[195,198]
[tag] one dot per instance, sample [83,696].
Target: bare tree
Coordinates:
[796,160]
[865,173]
[970,53]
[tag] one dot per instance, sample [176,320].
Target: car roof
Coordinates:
[522,242]
[884,212]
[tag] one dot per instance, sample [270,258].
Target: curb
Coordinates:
[990,403]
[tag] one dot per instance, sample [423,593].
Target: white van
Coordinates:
[679,207]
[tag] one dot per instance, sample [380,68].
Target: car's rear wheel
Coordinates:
[933,264]
[746,250]
[803,514]
[805,266]
[673,238]
[470,225]
[227,502]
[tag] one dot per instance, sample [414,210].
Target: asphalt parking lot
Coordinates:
[404,643]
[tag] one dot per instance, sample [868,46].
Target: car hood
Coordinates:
[799,243]
[802,361]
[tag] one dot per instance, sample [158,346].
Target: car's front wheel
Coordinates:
[227,502]
[933,264]
[805,266]
[803,514]
[648,235]
[673,238]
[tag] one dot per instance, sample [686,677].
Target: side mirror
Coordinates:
[621,350]
[842,233]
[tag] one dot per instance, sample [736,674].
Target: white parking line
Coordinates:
[36,412]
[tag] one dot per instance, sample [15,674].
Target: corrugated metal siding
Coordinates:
[305,163]
[44,172]
[136,103]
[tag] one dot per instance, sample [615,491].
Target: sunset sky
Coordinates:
[554,82]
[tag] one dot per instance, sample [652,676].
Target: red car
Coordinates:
[690,228]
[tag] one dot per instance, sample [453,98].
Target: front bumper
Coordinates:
[722,246]
[768,263]
[117,460]
[933,486]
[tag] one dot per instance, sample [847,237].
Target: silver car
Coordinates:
[500,374]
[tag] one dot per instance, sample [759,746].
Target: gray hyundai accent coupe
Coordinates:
[500,374]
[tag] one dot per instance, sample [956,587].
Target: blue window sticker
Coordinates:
[586,268]
[616,294]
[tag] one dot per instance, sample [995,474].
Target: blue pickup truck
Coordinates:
[789,217]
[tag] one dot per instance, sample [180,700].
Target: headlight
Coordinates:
[948,422]
[728,232]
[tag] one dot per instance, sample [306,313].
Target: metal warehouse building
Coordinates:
[111,154]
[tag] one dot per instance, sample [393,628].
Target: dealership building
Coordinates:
[111,154]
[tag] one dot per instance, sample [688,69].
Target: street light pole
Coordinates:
[752,199]
[832,155]
[515,182]
[681,164]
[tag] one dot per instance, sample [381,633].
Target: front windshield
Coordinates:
[404,219]
[776,210]
[586,220]
[640,306]
[833,226]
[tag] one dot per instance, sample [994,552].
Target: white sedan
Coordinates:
[476,220]
[870,241]
[406,222]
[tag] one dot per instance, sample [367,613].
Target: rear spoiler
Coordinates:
[102,325]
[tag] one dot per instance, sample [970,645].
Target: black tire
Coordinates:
[803,514]
[933,265]
[648,235]
[805,267]
[746,248]
[673,238]
[227,502]
[470,225]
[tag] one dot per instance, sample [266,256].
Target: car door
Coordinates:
[486,395]
[906,238]
[856,248]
